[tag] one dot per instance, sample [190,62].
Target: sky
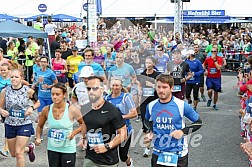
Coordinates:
[124,8]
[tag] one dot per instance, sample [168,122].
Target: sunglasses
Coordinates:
[213,51]
[93,88]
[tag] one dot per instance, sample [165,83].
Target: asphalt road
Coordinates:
[219,144]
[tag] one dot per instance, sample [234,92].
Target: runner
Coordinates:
[124,102]
[180,72]
[61,146]
[108,122]
[59,66]
[147,80]
[164,119]
[194,82]
[201,57]
[45,78]
[79,94]
[213,65]
[16,108]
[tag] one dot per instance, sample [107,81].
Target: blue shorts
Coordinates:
[214,83]
[43,103]
[14,131]
[62,79]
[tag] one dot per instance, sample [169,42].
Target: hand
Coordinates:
[192,73]
[33,87]
[205,73]
[4,113]
[148,137]
[100,149]
[28,111]
[70,136]
[44,86]
[62,71]
[183,80]
[37,141]
[177,134]
[240,76]
[149,84]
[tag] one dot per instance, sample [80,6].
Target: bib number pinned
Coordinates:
[148,92]
[17,113]
[95,139]
[57,135]
[177,88]
[168,159]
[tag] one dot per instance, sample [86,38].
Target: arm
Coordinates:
[218,66]
[76,116]
[65,66]
[54,82]
[3,112]
[74,98]
[120,137]
[41,123]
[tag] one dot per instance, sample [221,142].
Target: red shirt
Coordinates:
[212,71]
[244,88]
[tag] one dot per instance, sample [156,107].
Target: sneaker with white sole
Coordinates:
[146,152]
[131,163]
[31,153]
[4,153]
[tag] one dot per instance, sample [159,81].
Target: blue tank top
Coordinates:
[58,132]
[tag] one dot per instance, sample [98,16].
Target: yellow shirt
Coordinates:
[73,62]
[28,62]
[11,53]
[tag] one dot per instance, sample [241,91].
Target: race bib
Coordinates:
[139,71]
[95,139]
[57,72]
[177,74]
[167,159]
[161,69]
[17,113]
[56,134]
[148,92]
[177,88]
[213,70]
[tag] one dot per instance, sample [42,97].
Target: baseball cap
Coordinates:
[190,52]
[75,48]
[86,72]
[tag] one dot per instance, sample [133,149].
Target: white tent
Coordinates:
[164,8]
[125,8]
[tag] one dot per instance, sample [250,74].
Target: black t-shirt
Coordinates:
[104,121]
[66,53]
[54,45]
[200,57]
[138,67]
[146,96]
[178,71]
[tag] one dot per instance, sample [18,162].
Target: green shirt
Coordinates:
[209,48]
[28,62]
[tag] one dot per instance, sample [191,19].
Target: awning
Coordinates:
[4,17]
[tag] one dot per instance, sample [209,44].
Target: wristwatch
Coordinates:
[32,107]
[107,146]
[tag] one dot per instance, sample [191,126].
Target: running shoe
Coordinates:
[146,152]
[131,163]
[138,119]
[203,98]
[4,153]
[31,153]
[215,107]
[209,103]
[189,101]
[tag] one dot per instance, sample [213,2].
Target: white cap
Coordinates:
[86,72]
[190,52]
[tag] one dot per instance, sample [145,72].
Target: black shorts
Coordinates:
[57,159]
[182,162]
[195,88]
[202,81]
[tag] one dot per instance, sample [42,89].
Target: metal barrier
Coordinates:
[235,59]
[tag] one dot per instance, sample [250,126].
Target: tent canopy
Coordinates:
[4,17]
[34,18]
[17,30]
[65,18]
[56,18]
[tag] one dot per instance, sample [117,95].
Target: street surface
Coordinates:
[218,147]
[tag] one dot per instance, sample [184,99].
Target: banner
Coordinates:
[196,13]
[92,21]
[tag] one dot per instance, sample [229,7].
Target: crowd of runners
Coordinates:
[139,73]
